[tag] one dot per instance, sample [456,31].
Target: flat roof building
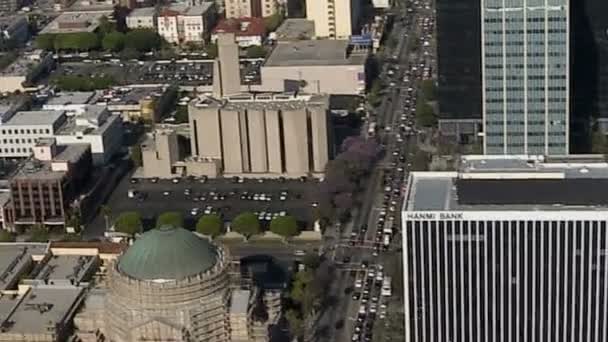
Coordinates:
[262,135]
[67,269]
[507,247]
[295,29]
[43,314]
[71,22]
[17,260]
[317,66]
[334,18]
[144,17]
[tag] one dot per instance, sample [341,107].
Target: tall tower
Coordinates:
[226,71]
[525,76]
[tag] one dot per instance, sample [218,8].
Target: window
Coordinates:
[22,131]
[47,131]
[27,131]
[10,131]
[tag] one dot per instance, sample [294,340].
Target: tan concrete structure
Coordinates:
[250,8]
[159,154]
[333,18]
[227,77]
[263,135]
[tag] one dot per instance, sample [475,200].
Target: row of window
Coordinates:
[521,66]
[500,89]
[512,122]
[521,20]
[17,141]
[551,144]
[26,131]
[527,31]
[530,100]
[530,77]
[529,54]
[521,43]
[521,134]
[16,150]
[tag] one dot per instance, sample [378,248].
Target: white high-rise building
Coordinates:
[334,18]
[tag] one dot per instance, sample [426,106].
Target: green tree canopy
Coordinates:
[129,53]
[284,225]
[128,222]
[78,41]
[210,50]
[274,21]
[6,236]
[105,26]
[113,41]
[425,115]
[142,40]
[82,83]
[312,261]
[38,234]
[210,224]
[170,218]
[599,143]
[246,223]
[428,90]
[256,51]
[46,41]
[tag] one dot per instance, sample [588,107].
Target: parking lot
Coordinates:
[222,196]
[183,72]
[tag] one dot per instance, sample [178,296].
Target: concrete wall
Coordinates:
[206,132]
[230,76]
[159,154]
[296,141]
[231,141]
[319,135]
[329,79]
[257,141]
[273,138]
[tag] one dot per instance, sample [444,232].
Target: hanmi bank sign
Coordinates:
[529,215]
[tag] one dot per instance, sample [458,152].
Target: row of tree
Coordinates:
[425,114]
[139,40]
[247,224]
[82,83]
[345,177]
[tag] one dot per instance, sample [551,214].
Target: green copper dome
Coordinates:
[167,253]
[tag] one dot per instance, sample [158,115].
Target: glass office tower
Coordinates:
[525,66]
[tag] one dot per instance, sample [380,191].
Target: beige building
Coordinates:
[315,67]
[250,8]
[334,18]
[142,18]
[262,135]
[159,154]
[226,72]
[180,23]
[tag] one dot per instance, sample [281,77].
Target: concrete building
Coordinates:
[315,66]
[16,261]
[239,316]
[159,154]
[295,29]
[180,23]
[250,8]
[167,286]
[526,77]
[262,135]
[9,6]
[43,313]
[71,22]
[20,133]
[507,248]
[381,4]
[334,18]
[248,31]
[72,103]
[144,17]
[138,103]
[226,72]
[43,189]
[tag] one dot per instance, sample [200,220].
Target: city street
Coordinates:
[360,250]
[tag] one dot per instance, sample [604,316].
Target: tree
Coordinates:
[428,90]
[105,26]
[210,224]
[296,323]
[256,51]
[170,218]
[246,223]
[425,116]
[113,41]
[128,222]
[181,114]
[210,50]
[599,143]
[142,40]
[136,157]
[286,226]
[46,41]
[312,261]
[82,83]
[38,234]
[129,53]
[273,22]
[6,236]
[77,41]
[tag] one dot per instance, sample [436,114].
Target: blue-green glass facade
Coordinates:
[525,65]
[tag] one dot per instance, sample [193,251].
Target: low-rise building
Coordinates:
[138,103]
[315,66]
[16,261]
[43,313]
[21,131]
[247,31]
[72,102]
[159,154]
[250,8]
[71,22]
[65,269]
[295,29]
[181,23]
[144,17]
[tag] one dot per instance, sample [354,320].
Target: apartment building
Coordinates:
[180,23]
[262,135]
[250,8]
[142,18]
[334,18]
[19,134]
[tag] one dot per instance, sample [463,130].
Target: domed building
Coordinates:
[170,285]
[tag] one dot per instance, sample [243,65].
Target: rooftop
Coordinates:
[14,258]
[143,12]
[37,170]
[314,52]
[186,10]
[66,98]
[283,101]
[167,254]
[66,267]
[79,21]
[20,67]
[241,27]
[35,117]
[102,246]
[71,153]
[511,183]
[39,311]
[295,29]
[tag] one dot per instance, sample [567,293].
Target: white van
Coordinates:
[387,240]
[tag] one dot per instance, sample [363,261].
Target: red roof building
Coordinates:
[248,31]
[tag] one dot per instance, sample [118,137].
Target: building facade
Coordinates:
[334,18]
[510,250]
[20,133]
[525,76]
[142,18]
[281,135]
[459,67]
[182,23]
[250,8]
